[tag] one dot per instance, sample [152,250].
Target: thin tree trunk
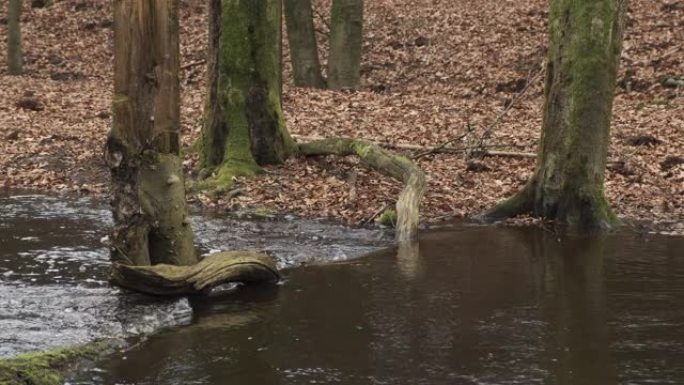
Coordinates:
[346,32]
[567,186]
[14,56]
[244,125]
[148,192]
[303,47]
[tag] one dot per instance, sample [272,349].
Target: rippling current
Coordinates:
[53,268]
[470,305]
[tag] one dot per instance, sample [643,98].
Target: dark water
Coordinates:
[473,306]
[54,263]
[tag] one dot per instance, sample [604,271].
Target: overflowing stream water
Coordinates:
[54,263]
[471,305]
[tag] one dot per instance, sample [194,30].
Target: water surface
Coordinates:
[473,305]
[54,264]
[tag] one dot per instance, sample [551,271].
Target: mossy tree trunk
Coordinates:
[14,57]
[346,32]
[244,126]
[142,150]
[303,47]
[584,51]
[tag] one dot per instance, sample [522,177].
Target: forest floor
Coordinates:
[432,71]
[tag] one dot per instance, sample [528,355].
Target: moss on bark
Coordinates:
[396,166]
[244,124]
[584,51]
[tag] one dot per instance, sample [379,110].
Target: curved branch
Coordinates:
[231,266]
[395,166]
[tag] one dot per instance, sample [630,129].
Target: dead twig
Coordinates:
[488,131]
[193,64]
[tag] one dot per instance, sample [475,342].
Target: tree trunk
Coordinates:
[40,3]
[584,51]
[14,56]
[148,191]
[244,125]
[303,47]
[346,31]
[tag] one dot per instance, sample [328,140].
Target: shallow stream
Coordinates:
[472,305]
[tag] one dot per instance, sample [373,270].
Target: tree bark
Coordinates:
[303,47]
[14,56]
[40,3]
[346,32]
[584,52]
[142,149]
[240,267]
[244,125]
[398,167]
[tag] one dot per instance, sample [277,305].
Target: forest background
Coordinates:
[431,71]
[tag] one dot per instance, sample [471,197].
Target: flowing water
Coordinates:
[471,305]
[54,262]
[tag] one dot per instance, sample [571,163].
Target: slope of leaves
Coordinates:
[431,69]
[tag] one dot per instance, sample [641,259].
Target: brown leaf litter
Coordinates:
[430,70]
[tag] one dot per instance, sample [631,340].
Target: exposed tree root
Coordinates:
[396,166]
[232,266]
[519,204]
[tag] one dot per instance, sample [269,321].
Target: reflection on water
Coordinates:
[472,305]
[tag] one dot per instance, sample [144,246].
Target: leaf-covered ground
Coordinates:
[431,69]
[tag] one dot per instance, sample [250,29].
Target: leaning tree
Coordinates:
[585,42]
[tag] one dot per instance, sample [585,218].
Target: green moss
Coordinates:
[388,218]
[225,175]
[47,368]
[264,212]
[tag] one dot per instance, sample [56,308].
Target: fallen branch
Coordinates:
[398,167]
[193,64]
[236,266]
[424,149]
[487,132]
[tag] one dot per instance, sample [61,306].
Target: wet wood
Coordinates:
[395,166]
[231,266]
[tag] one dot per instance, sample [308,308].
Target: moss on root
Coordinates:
[47,368]
[222,179]
[389,218]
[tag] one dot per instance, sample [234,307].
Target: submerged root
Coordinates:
[232,266]
[395,166]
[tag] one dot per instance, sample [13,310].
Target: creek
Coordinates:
[471,305]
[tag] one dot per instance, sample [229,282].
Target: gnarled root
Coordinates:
[232,266]
[396,166]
